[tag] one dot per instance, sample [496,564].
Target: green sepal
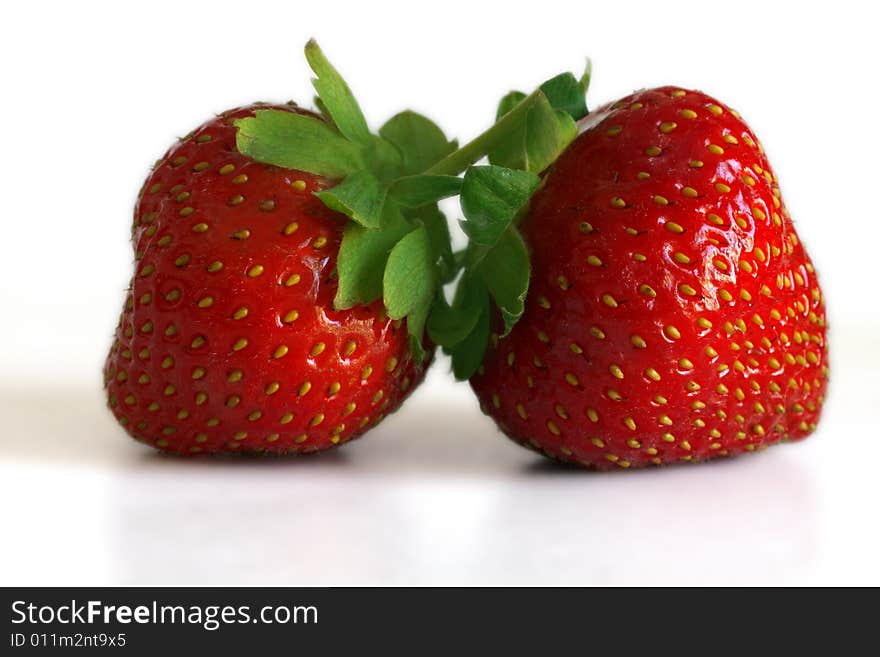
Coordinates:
[363,254]
[416,330]
[449,324]
[510,152]
[409,284]
[360,196]
[441,241]
[462,329]
[548,132]
[322,110]
[505,270]
[420,141]
[508,102]
[409,274]
[383,159]
[415,191]
[468,353]
[336,97]
[491,196]
[586,76]
[536,142]
[297,141]
[566,93]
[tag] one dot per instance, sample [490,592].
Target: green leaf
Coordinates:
[548,132]
[509,101]
[586,76]
[322,110]
[414,191]
[468,354]
[337,97]
[484,144]
[360,196]
[297,141]
[566,93]
[383,159]
[511,151]
[505,270]
[448,324]
[362,257]
[419,140]
[491,196]
[415,325]
[409,284]
[545,134]
[409,280]
[441,242]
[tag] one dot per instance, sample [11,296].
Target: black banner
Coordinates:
[326,621]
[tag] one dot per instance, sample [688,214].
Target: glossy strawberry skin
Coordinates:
[228,340]
[673,314]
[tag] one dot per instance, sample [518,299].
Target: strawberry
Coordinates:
[268,311]
[229,339]
[672,313]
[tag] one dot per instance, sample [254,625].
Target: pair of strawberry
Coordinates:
[633,291]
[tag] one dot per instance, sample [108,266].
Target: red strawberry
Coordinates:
[673,314]
[229,339]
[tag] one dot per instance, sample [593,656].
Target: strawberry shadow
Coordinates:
[244,460]
[549,467]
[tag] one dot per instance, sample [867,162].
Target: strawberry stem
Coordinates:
[474,150]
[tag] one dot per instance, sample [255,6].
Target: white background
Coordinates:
[93,93]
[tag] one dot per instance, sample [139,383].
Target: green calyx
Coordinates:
[397,246]
[530,132]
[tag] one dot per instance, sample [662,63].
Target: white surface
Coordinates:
[95,91]
[435,495]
